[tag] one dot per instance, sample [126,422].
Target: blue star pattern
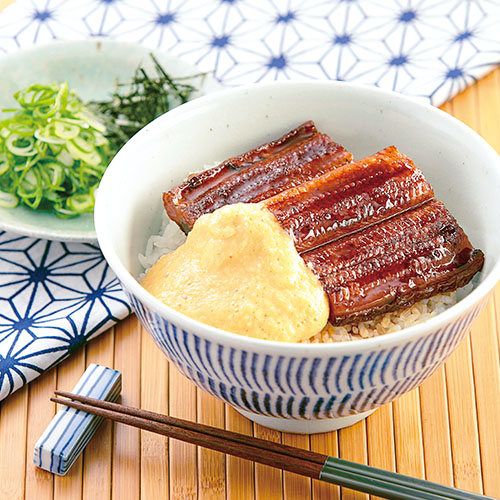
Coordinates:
[427,48]
[53,298]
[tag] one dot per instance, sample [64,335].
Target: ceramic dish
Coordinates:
[300,387]
[91,67]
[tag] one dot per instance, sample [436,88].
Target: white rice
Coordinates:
[386,323]
[167,240]
[171,237]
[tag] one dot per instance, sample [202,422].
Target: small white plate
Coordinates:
[91,67]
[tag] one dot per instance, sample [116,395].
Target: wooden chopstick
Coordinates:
[193,426]
[315,465]
[239,449]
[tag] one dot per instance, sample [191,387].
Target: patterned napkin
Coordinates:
[56,296]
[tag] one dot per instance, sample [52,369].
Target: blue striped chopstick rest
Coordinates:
[70,430]
[63,466]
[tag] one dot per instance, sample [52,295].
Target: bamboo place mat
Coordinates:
[447,430]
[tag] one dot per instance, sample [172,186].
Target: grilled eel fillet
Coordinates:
[375,236]
[395,263]
[371,231]
[347,199]
[297,157]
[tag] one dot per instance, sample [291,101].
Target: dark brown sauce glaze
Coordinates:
[395,263]
[349,198]
[297,157]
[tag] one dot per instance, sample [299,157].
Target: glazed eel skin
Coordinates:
[371,230]
[395,263]
[299,156]
[349,198]
[375,236]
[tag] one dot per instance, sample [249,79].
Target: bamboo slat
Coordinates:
[211,464]
[487,382]
[154,396]
[126,440]
[446,430]
[380,439]
[296,487]
[39,483]
[496,311]
[486,105]
[96,471]
[13,421]
[268,481]
[328,444]
[69,487]
[408,435]
[353,446]
[436,429]
[463,420]
[183,456]
[239,472]
[485,331]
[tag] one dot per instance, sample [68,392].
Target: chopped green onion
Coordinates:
[52,151]
[20,145]
[54,175]
[51,139]
[65,213]
[91,157]
[65,158]
[91,120]
[21,128]
[4,164]
[81,203]
[85,142]
[8,200]
[65,130]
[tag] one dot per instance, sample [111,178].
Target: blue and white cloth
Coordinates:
[429,48]
[56,296]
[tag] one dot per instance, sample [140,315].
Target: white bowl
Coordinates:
[297,387]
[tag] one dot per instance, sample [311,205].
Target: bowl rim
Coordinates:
[213,334]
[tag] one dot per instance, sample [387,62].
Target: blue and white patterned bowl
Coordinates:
[297,387]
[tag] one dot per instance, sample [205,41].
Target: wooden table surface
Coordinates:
[447,430]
